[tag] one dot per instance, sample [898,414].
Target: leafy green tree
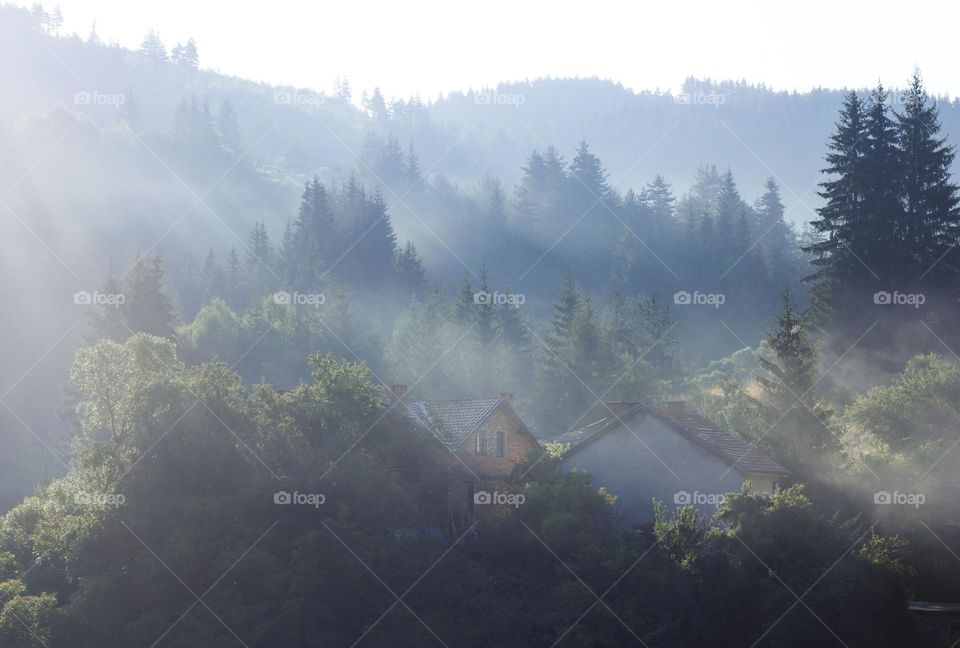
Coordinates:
[110,379]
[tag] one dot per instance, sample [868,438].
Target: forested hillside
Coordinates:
[219,292]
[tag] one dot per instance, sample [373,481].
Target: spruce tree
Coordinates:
[228,128]
[840,219]
[410,270]
[257,264]
[514,329]
[147,308]
[882,251]
[799,428]
[931,226]
[486,313]
[465,312]
[655,323]
[106,320]
[411,169]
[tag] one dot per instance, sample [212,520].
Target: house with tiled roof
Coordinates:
[640,453]
[477,443]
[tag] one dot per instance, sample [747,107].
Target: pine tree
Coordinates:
[233,281]
[152,48]
[730,209]
[146,307]
[840,218]
[931,226]
[55,20]
[587,169]
[412,172]
[93,38]
[307,240]
[106,322]
[514,329]
[258,260]
[618,330]
[655,323]
[486,313]
[465,310]
[883,253]
[377,107]
[778,240]
[493,200]
[130,113]
[410,270]
[212,282]
[660,200]
[228,128]
[376,247]
[794,411]
[391,166]
[564,313]
[191,59]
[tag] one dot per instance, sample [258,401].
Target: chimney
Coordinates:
[399,391]
[676,409]
[617,408]
[507,396]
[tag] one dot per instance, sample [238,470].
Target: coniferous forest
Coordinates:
[254,335]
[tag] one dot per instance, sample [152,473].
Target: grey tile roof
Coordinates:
[450,421]
[702,431]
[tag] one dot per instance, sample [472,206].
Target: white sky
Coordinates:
[434,46]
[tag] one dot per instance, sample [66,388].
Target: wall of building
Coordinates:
[517,445]
[639,472]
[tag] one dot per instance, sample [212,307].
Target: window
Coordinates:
[481,444]
[501,443]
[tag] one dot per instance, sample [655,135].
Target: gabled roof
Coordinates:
[450,421]
[698,429]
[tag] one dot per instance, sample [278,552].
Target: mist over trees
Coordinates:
[215,284]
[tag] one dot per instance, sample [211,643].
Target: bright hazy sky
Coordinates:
[432,46]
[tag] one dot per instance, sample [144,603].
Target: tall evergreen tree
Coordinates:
[228,127]
[106,320]
[838,226]
[410,270]
[931,226]
[798,420]
[464,311]
[147,308]
[258,264]
[883,253]
[486,313]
